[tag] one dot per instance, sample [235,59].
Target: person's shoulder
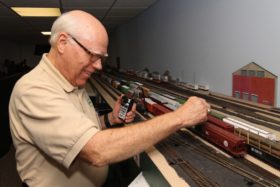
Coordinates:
[34,79]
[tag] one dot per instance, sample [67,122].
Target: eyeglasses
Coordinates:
[93,56]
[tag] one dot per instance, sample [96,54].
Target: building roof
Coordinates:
[255,67]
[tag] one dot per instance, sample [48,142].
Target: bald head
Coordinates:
[79,42]
[78,23]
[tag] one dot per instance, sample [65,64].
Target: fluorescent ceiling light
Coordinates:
[37,12]
[47,33]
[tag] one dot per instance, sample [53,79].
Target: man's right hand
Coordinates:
[192,112]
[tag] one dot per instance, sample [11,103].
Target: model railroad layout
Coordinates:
[248,119]
[189,156]
[235,137]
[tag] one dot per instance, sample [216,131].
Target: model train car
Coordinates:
[155,108]
[228,141]
[220,123]
[260,132]
[263,155]
[203,87]
[219,130]
[243,125]
[166,101]
[192,86]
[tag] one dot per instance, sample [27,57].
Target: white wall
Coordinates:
[202,41]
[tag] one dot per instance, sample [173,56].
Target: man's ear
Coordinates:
[62,41]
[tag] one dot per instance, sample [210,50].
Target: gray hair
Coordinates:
[64,23]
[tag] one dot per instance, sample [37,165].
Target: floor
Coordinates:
[8,174]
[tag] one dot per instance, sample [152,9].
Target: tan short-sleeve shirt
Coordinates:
[50,122]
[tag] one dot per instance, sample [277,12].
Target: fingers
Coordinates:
[208,108]
[205,105]
[129,118]
[194,111]
[131,114]
[119,99]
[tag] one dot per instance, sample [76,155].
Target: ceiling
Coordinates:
[112,13]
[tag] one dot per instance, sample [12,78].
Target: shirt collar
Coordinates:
[48,66]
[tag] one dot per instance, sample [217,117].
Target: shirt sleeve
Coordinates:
[53,122]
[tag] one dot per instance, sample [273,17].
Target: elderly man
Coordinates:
[59,138]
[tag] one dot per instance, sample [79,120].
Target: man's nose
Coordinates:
[97,64]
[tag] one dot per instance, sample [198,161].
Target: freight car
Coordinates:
[155,108]
[156,77]
[124,89]
[250,128]
[170,103]
[268,158]
[233,144]
[176,99]
[169,96]
[262,148]
[170,106]
[146,91]
[115,84]
[217,115]
[180,100]
[192,86]
[220,123]
[203,87]
[261,144]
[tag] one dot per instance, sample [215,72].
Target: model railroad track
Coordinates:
[248,113]
[175,159]
[267,110]
[252,119]
[225,162]
[114,93]
[214,98]
[251,114]
[275,110]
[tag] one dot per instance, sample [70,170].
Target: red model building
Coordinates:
[254,83]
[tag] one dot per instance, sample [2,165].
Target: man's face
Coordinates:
[82,61]
[83,71]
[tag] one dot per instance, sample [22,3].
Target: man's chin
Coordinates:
[82,83]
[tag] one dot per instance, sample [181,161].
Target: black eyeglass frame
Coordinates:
[92,54]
